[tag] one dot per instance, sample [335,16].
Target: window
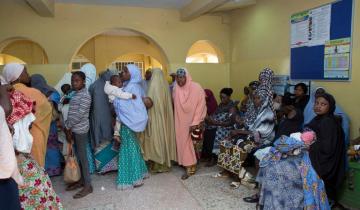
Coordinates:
[119,65]
[202,58]
[78,62]
[203,52]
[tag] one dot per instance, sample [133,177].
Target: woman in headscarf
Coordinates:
[101,120]
[100,114]
[16,75]
[133,116]
[250,114]
[309,113]
[301,97]
[53,157]
[159,143]
[36,191]
[221,120]
[328,152]
[210,131]
[190,112]
[211,103]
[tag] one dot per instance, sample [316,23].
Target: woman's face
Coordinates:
[24,77]
[181,81]
[257,101]
[225,99]
[299,91]
[321,106]
[126,74]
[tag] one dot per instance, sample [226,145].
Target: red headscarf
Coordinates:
[211,102]
[21,105]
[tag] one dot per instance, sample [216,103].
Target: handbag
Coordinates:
[72,170]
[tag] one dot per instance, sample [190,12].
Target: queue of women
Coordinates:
[120,122]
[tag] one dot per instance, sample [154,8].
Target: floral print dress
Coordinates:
[37,191]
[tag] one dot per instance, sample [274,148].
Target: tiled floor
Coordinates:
[160,191]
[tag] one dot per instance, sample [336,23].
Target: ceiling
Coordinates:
[166,4]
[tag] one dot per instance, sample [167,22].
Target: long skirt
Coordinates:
[37,191]
[106,157]
[53,157]
[282,185]
[131,167]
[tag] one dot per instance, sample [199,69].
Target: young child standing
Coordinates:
[77,126]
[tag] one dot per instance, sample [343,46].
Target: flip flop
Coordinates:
[235,185]
[219,175]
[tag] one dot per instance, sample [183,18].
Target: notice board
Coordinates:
[321,40]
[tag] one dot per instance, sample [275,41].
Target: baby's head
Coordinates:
[148,102]
[65,88]
[308,137]
[115,80]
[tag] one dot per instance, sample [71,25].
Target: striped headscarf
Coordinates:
[265,89]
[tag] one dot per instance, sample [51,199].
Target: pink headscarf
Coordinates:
[211,102]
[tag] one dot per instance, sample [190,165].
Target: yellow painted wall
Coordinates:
[210,76]
[27,51]
[73,25]
[260,38]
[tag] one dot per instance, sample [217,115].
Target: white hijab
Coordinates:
[90,72]
[12,72]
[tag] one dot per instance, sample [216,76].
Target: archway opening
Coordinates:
[203,51]
[5,59]
[114,48]
[25,50]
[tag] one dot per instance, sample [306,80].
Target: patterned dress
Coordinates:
[37,191]
[132,167]
[53,155]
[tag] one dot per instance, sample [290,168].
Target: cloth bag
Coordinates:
[72,170]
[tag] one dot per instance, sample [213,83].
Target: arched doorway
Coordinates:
[203,51]
[117,46]
[25,50]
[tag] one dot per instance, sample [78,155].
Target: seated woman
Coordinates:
[328,152]
[220,121]
[309,112]
[291,121]
[301,97]
[287,164]
[258,135]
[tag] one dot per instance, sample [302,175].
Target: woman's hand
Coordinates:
[193,128]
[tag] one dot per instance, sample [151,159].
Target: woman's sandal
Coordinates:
[235,185]
[252,199]
[220,175]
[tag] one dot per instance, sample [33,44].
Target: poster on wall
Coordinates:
[311,27]
[300,29]
[337,58]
